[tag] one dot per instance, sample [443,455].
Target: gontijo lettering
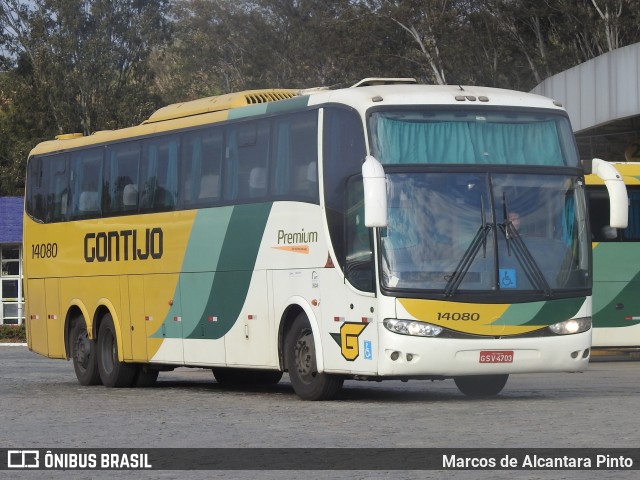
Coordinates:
[123,245]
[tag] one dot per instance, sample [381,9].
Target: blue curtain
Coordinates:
[468,142]
[568,224]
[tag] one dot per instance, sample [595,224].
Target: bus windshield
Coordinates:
[453,233]
[481,136]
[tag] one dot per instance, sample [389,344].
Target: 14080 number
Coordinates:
[44,250]
[464,316]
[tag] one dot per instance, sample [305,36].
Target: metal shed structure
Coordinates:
[602,97]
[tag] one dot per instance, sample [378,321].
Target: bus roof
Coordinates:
[408,94]
[219,103]
[365,94]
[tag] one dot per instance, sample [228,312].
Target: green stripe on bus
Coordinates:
[295,103]
[541,313]
[214,287]
[623,303]
[249,111]
[616,286]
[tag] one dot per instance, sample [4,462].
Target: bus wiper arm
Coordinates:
[523,254]
[479,240]
[524,257]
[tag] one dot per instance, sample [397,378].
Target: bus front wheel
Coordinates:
[83,353]
[113,372]
[481,385]
[300,353]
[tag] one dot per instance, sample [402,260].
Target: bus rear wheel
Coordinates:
[113,372]
[83,353]
[300,352]
[481,385]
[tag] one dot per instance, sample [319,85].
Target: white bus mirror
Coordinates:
[618,200]
[375,193]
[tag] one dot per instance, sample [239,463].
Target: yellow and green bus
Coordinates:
[616,264]
[361,233]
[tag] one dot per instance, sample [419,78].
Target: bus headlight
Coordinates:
[410,327]
[569,327]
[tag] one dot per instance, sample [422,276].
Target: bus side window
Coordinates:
[56,184]
[295,172]
[86,183]
[359,267]
[122,172]
[159,177]
[248,152]
[305,182]
[36,194]
[130,196]
[258,182]
[632,232]
[343,152]
[201,167]
[48,191]
[304,148]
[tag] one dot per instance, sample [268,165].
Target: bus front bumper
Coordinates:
[408,356]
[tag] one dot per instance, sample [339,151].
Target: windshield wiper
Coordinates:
[522,253]
[479,240]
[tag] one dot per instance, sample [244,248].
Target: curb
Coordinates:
[13,344]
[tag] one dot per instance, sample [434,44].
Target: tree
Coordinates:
[86,65]
[88,58]
[73,66]
[427,24]
[230,45]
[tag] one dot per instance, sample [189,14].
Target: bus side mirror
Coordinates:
[618,200]
[375,193]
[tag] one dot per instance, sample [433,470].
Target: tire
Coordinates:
[481,385]
[113,373]
[243,376]
[300,356]
[83,353]
[146,377]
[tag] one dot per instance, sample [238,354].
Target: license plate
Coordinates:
[496,356]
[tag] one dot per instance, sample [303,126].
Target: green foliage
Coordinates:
[21,128]
[86,60]
[87,65]
[13,334]
[74,66]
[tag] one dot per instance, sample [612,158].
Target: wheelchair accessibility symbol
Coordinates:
[508,278]
[368,354]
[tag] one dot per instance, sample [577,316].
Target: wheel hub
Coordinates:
[108,352]
[83,350]
[305,357]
